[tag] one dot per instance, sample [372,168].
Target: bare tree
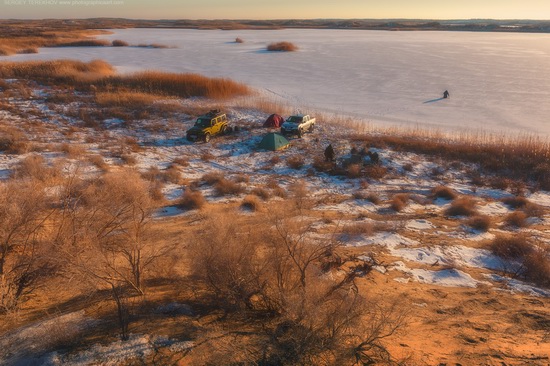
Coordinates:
[104,233]
[23,263]
[315,317]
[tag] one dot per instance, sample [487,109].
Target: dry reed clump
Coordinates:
[282,47]
[225,187]
[239,40]
[515,202]
[119,43]
[399,201]
[98,161]
[295,162]
[261,192]
[516,219]
[191,200]
[73,151]
[212,178]
[13,140]
[463,206]
[251,203]
[480,222]
[443,192]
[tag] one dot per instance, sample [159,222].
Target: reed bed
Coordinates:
[99,76]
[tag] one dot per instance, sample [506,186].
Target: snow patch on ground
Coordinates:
[446,277]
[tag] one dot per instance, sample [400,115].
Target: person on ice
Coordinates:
[446,94]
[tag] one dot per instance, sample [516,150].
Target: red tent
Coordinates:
[274,121]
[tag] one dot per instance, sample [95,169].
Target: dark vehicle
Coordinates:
[208,125]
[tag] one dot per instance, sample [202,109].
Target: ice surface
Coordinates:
[498,81]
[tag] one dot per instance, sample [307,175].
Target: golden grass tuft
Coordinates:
[191,200]
[444,192]
[282,47]
[463,206]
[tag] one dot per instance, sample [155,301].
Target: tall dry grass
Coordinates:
[524,157]
[101,75]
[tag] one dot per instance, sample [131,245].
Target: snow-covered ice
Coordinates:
[498,81]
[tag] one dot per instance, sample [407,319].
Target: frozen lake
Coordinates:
[498,81]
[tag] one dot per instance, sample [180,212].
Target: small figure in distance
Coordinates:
[446,94]
[329,153]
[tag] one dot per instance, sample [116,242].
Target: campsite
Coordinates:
[125,242]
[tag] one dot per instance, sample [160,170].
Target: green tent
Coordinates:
[274,141]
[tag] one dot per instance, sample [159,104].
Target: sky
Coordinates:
[278,9]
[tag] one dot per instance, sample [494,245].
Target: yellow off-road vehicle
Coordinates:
[208,125]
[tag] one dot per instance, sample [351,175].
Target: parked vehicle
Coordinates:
[211,124]
[298,125]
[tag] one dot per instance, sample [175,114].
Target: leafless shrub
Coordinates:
[462,206]
[295,162]
[119,43]
[511,247]
[35,167]
[239,40]
[282,46]
[516,219]
[408,167]
[277,268]
[399,201]
[24,259]
[225,187]
[537,266]
[444,192]
[241,178]
[480,222]
[191,200]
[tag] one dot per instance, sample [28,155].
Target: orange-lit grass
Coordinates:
[101,75]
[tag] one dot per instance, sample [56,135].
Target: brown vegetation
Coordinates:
[444,192]
[191,200]
[399,201]
[480,222]
[119,43]
[282,47]
[463,206]
[101,75]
